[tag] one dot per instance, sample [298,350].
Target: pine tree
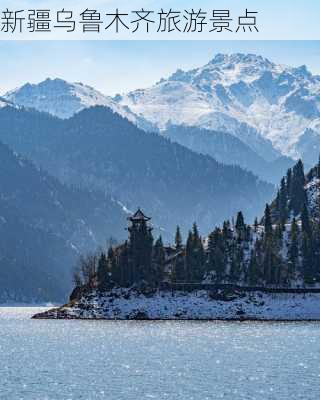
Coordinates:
[256,224]
[307,250]
[305,221]
[316,250]
[252,278]
[189,257]
[226,230]
[258,262]
[278,233]
[283,201]
[297,192]
[236,261]
[178,239]
[179,268]
[276,207]
[248,234]
[289,181]
[210,253]
[268,264]
[239,221]
[307,255]
[267,222]
[195,232]
[293,251]
[124,275]
[158,262]
[216,260]
[195,257]
[271,246]
[102,272]
[240,226]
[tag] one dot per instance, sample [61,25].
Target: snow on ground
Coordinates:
[313,194]
[126,304]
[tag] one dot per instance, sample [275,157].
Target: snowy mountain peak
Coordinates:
[64,99]
[233,68]
[57,97]
[240,58]
[244,67]
[247,95]
[228,68]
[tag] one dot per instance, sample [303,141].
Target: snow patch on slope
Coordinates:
[199,305]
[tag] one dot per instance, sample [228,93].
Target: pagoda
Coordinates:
[138,219]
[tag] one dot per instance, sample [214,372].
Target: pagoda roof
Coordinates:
[139,216]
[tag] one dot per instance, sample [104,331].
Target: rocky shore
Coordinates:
[130,304]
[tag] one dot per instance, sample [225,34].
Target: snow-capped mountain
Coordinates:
[273,109]
[260,102]
[64,99]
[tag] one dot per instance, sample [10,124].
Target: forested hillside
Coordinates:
[44,227]
[104,151]
[230,150]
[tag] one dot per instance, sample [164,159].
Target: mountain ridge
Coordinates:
[104,151]
[266,105]
[64,99]
[229,150]
[273,102]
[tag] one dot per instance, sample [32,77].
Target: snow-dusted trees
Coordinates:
[282,250]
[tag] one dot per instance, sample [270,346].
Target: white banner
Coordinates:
[161,20]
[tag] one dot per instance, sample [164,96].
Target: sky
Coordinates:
[120,66]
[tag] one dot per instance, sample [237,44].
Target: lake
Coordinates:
[62,360]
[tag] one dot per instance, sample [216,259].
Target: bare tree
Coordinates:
[86,270]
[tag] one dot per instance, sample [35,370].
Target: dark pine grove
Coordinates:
[280,250]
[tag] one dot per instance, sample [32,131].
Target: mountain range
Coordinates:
[272,109]
[266,105]
[198,146]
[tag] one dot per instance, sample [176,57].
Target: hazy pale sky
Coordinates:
[119,66]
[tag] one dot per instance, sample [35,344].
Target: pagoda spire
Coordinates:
[139,216]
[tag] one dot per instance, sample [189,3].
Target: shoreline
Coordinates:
[238,306]
[178,320]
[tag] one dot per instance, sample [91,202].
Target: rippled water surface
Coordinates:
[156,360]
